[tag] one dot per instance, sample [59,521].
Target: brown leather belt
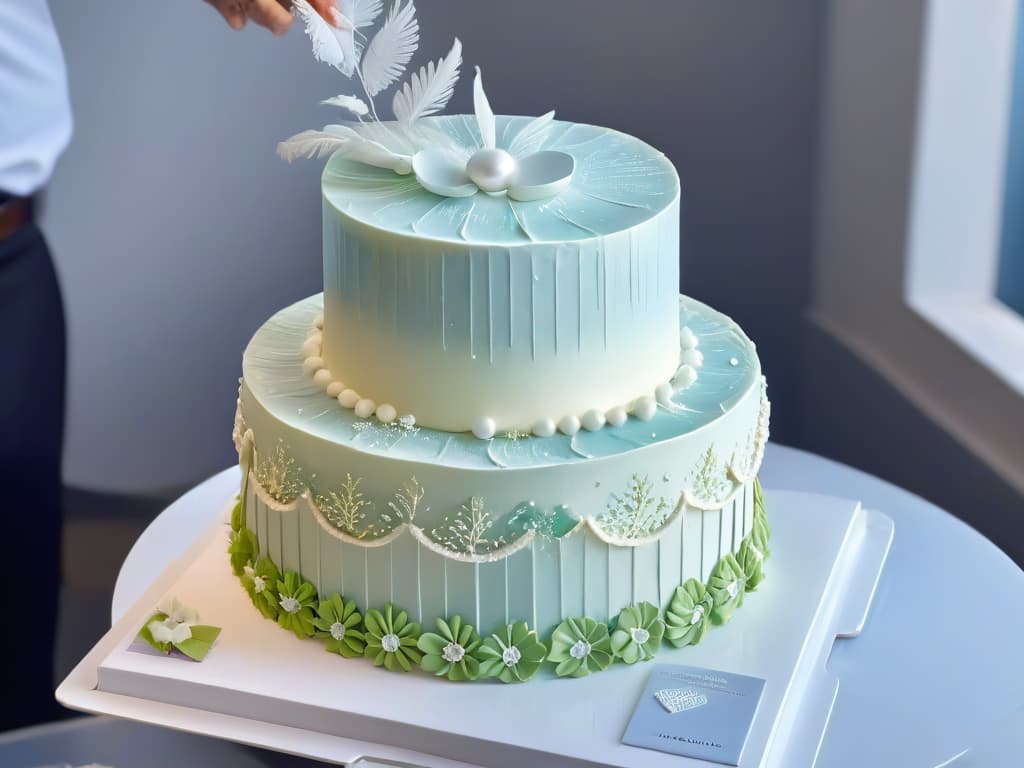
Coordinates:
[15,212]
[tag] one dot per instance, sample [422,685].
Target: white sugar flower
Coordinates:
[177,626]
[169,631]
[178,612]
[532,176]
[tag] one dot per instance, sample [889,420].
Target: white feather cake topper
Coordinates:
[410,144]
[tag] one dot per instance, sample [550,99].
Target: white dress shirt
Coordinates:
[35,113]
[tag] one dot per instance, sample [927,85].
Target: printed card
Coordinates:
[695,712]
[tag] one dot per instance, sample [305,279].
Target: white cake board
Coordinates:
[262,686]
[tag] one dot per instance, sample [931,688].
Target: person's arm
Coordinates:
[274,15]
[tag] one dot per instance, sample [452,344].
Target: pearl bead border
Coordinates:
[313,365]
[691,359]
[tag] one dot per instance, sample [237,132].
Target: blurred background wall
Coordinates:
[178,231]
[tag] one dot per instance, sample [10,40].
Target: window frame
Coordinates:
[906,264]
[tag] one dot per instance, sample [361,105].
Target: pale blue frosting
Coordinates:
[274,376]
[619,182]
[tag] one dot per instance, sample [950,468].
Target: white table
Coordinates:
[938,663]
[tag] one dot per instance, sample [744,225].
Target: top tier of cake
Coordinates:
[489,314]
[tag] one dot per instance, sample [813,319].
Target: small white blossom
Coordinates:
[580,650]
[290,604]
[453,653]
[639,635]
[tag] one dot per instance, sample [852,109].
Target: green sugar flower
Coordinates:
[260,582]
[512,654]
[580,646]
[243,549]
[638,633]
[726,586]
[295,601]
[751,560]
[761,532]
[451,651]
[391,638]
[338,622]
[238,515]
[688,615]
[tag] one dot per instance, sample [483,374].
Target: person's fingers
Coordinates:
[325,8]
[269,14]
[231,12]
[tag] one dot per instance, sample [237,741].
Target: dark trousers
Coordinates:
[32,361]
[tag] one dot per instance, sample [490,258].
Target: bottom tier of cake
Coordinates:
[575,600]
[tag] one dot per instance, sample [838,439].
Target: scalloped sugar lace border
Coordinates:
[687,501]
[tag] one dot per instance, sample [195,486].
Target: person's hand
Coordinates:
[275,15]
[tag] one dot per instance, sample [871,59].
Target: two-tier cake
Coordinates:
[500,439]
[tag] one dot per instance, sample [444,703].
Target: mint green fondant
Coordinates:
[689,614]
[337,612]
[383,625]
[580,646]
[544,578]
[693,609]
[326,483]
[277,472]
[498,660]
[636,513]
[602,199]
[552,524]
[726,586]
[638,633]
[296,600]
[455,309]
[451,651]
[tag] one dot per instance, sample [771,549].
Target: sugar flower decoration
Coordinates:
[391,638]
[761,532]
[442,164]
[726,586]
[450,651]
[638,633]
[176,625]
[580,646]
[513,654]
[295,600]
[243,548]
[260,580]
[338,622]
[688,615]
[453,172]
[751,560]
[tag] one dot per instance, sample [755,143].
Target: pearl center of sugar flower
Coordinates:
[453,653]
[389,642]
[733,589]
[698,614]
[259,584]
[338,630]
[639,635]
[511,656]
[491,169]
[580,650]
[290,605]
